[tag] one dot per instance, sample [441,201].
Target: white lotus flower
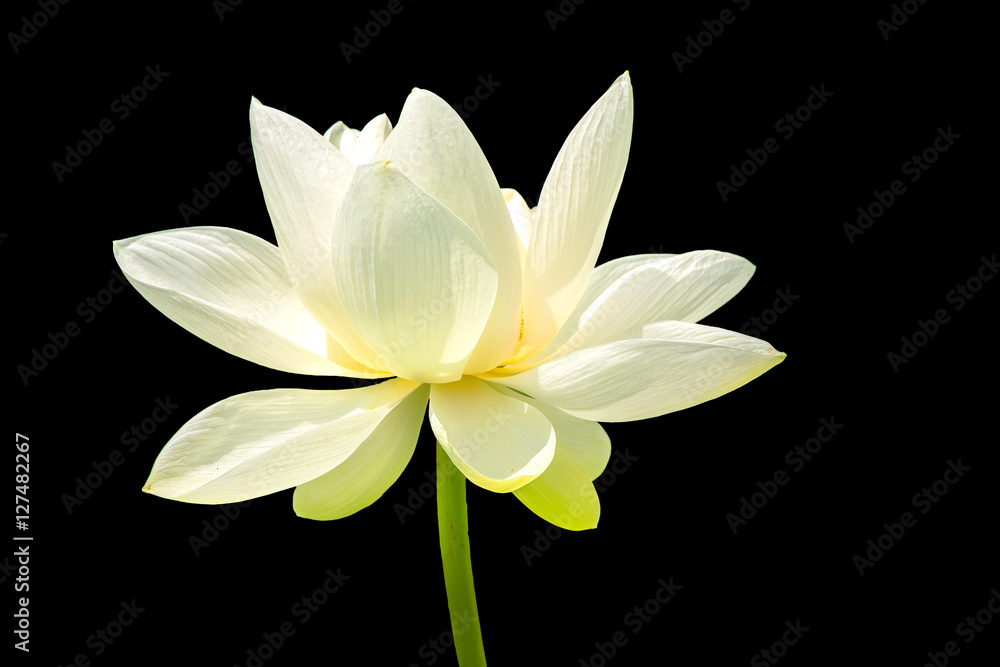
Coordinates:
[400,257]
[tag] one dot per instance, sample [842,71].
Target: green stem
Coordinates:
[453,526]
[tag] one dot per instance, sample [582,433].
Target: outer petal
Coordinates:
[659,368]
[500,443]
[564,494]
[304,179]
[632,291]
[573,213]
[265,441]
[230,289]
[434,148]
[370,470]
[422,285]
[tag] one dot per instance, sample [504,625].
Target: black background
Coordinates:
[665,516]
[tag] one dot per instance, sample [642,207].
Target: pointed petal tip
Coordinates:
[774,357]
[256,109]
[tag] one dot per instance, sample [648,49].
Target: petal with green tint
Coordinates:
[563,495]
[373,467]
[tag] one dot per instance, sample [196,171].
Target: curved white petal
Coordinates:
[659,368]
[434,148]
[230,289]
[341,136]
[632,291]
[422,284]
[373,467]
[257,443]
[304,179]
[573,212]
[500,443]
[365,144]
